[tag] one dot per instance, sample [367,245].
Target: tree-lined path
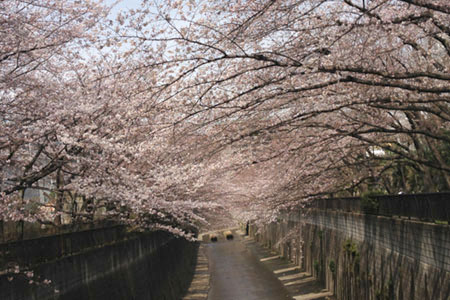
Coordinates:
[179,115]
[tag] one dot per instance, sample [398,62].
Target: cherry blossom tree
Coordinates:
[179,107]
[179,115]
[335,96]
[70,114]
[35,91]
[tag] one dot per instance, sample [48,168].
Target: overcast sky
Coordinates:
[123,4]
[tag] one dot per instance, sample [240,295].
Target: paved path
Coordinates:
[237,273]
[240,269]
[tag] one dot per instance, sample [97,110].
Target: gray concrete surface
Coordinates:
[199,287]
[238,274]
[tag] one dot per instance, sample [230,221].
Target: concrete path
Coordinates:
[237,274]
[240,269]
[199,287]
[300,285]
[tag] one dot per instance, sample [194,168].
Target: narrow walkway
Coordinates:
[240,269]
[300,285]
[237,274]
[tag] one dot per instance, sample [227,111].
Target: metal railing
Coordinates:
[426,207]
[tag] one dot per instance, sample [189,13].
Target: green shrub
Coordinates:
[332,266]
[316,266]
[369,204]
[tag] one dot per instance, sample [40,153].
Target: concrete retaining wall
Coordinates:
[360,256]
[103,263]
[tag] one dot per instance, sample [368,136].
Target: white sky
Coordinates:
[122,4]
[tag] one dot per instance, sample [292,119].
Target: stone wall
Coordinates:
[101,263]
[359,256]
